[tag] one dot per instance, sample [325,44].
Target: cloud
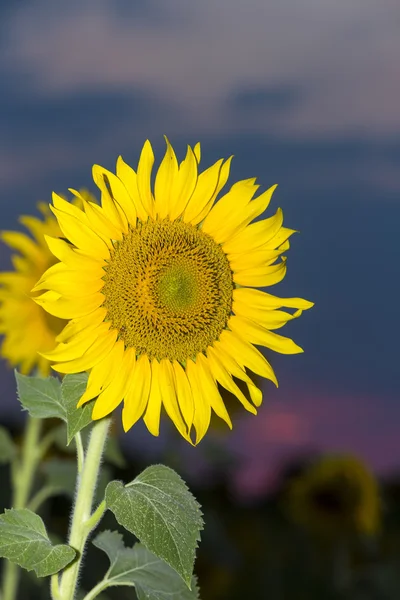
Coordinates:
[195,53]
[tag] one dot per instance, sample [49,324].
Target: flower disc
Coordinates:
[168,290]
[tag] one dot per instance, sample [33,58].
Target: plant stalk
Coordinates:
[23,476]
[83,520]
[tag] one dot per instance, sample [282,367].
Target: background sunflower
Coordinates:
[26,328]
[336,497]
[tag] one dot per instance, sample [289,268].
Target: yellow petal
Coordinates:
[104,372]
[229,209]
[111,184]
[68,207]
[115,391]
[129,179]
[246,355]
[77,347]
[71,257]
[254,235]
[265,301]
[95,354]
[111,207]
[197,152]
[153,410]
[69,308]
[221,374]
[238,220]
[223,178]
[81,235]
[210,390]
[77,325]
[165,182]
[253,260]
[185,185]
[205,193]
[202,408]
[270,319]
[184,394]
[256,334]
[281,236]
[101,224]
[261,276]
[145,167]
[72,283]
[137,393]
[22,243]
[170,401]
[38,227]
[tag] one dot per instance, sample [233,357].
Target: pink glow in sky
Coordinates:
[289,427]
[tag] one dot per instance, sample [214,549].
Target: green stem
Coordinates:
[80,453]
[55,587]
[94,592]
[23,475]
[41,496]
[82,518]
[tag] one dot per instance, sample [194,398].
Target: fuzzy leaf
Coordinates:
[24,541]
[72,388]
[152,577]
[8,449]
[159,510]
[40,397]
[48,398]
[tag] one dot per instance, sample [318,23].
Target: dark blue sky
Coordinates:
[304,94]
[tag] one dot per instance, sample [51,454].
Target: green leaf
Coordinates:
[152,577]
[72,389]
[60,476]
[40,397]
[24,541]
[48,398]
[159,510]
[8,449]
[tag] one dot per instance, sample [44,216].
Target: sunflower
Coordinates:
[26,328]
[159,290]
[335,496]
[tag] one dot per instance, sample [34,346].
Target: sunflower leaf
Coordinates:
[41,397]
[24,541]
[49,398]
[8,449]
[152,577]
[72,389]
[159,510]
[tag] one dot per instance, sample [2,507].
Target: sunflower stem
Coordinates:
[23,475]
[82,518]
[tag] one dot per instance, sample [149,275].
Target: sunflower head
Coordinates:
[26,328]
[159,287]
[335,496]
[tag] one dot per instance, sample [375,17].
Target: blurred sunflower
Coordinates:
[335,496]
[26,328]
[159,287]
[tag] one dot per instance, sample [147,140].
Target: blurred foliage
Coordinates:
[283,546]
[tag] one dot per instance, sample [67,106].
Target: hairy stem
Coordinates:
[23,476]
[83,521]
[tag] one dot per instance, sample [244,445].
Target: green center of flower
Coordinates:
[168,290]
[177,288]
